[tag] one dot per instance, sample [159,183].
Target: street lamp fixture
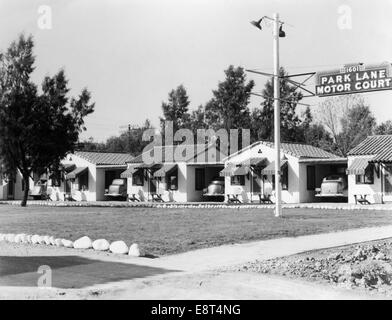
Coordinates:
[257,24]
[282,34]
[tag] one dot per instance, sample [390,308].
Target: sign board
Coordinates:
[354,78]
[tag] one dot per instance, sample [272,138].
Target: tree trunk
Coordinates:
[26,191]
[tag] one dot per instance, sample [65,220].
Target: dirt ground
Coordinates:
[365,267]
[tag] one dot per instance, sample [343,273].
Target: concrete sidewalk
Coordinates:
[227,255]
[215,257]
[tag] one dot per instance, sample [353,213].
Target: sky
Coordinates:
[131,53]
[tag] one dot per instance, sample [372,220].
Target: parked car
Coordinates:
[333,185]
[117,190]
[39,192]
[215,190]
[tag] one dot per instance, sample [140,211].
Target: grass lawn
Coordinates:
[168,231]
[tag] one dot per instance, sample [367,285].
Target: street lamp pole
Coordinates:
[277,32]
[278,193]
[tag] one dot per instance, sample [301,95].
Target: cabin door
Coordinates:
[387,184]
[11,189]
[153,185]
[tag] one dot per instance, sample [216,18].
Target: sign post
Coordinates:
[278,195]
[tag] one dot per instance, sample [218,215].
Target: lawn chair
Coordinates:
[361,198]
[265,198]
[233,198]
[156,197]
[133,198]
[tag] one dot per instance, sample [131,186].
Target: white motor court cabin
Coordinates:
[181,179]
[370,170]
[249,173]
[87,174]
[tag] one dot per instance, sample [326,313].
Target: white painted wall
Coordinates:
[100,184]
[192,193]
[372,190]
[18,192]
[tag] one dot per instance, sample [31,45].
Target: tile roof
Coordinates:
[379,145]
[305,151]
[298,150]
[104,158]
[162,150]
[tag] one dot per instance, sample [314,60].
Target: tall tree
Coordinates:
[290,121]
[348,119]
[384,128]
[198,119]
[359,123]
[228,109]
[129,141]
[176,109]
[36,129]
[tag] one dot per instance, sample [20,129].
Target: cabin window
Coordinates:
[138,178]
[311,178]
[367,178]
[199,179]
[172,180]
[55,178]
[256,184]
[238,180]
[56,182]
[284,178]
[83,181]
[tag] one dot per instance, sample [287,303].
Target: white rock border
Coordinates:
[35,239]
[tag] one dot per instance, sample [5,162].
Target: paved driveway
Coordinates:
[69,271]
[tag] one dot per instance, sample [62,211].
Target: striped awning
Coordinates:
[68,167]
[164,170]
[241,171]
[129,172]
[359,165]
[148,166]
[228,171]
[74,173]
[257,162]
[270,169]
